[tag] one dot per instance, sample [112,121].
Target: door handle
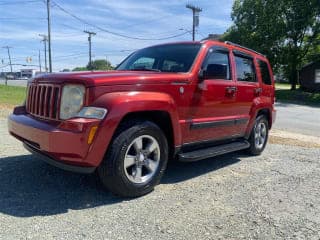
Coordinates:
[231,90]
[257,91]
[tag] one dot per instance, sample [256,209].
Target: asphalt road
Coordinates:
[298,119]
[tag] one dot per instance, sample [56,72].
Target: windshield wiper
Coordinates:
[146,69]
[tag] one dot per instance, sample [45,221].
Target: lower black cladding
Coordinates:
[223,123]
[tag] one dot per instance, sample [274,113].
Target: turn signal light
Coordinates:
[92,133]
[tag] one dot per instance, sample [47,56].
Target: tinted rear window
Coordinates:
[265,73]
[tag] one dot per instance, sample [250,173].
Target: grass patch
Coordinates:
[298,96]
[10,96]
[282,85]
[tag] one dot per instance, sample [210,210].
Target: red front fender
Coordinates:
[119,104]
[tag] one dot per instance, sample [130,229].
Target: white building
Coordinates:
[29,73]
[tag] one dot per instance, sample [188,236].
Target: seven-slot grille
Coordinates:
[43,100]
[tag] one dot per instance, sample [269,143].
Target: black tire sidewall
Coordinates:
[120,184]
[153,132]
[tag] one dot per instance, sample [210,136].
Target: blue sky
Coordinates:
[21,22]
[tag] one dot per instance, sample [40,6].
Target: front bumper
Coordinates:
[61,144]
[59,164]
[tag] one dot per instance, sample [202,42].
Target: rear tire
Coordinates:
[258,136]
[136,159]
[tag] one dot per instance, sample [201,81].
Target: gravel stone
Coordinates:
[272,196]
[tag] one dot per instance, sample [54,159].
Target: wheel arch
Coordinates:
[159,117]
[262,110]
[266,112]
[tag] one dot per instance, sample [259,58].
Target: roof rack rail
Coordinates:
[249,49]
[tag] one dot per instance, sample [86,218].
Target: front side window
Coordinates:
[162,58]
[218,60]
[245,69]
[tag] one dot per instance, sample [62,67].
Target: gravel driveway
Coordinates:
[273,196]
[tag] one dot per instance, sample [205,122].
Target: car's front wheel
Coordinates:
[135,160]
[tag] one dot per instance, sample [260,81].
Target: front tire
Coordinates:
[259,136]
[135,161]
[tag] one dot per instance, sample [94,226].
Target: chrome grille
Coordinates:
[43,100]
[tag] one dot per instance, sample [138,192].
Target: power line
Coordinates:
[4,66]
[111,32]
[148,21]
[70,56]
[18,2]
[24,65]
[20,18]
[83,53]
[71,27]
[123,50]
[20,58]
[78,29]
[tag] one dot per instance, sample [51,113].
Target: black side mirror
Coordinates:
[214,71]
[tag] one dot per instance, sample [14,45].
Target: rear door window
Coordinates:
[245,69]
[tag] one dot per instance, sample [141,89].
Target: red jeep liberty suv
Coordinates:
[188,100]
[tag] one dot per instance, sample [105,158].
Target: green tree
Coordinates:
[100,64]
[284,30]
[80,69]
[314,51]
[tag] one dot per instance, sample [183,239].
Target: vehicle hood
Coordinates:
[112,78]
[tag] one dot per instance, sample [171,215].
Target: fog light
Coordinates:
[92,133]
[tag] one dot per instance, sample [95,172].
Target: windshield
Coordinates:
[163,58]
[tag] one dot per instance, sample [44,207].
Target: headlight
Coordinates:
[92,112]
[71,100]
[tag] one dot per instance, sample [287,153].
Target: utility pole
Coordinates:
[195,21]
[8,49]
[49,35]
[39,58]
[10,63]
[89,40]
[45,40]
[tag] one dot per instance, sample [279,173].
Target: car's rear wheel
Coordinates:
[259,135]
[135,160]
